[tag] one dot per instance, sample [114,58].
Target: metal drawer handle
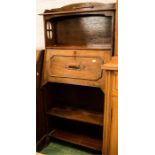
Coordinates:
[73,67]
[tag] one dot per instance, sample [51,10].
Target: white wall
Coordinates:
[49,4]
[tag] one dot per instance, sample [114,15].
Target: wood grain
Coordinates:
[84,30]
[78,139]
[114,127]
[90,27]
[90,75]
[111,65]
[79,67]
[81,7]
[110,134]
[77,115]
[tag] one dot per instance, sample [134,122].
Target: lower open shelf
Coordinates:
[77,138]
[77,114]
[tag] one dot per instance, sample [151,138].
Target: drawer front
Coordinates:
[79,67]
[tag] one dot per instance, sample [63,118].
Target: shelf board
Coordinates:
[77,139]
[81,47]
[77,114]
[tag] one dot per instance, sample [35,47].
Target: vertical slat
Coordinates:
[114,127]
[114,121]
[107,114]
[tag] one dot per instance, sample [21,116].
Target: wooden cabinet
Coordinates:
[79,41]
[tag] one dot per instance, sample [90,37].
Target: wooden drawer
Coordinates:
[79,67]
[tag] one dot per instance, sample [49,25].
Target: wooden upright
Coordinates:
[110,136]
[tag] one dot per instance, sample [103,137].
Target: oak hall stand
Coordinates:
[79,41]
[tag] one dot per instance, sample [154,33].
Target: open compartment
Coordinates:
[87,30]
[75,114]
[78,133]
[79,103]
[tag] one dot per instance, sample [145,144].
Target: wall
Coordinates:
[49,4]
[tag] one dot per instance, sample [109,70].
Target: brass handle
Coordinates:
[74,67]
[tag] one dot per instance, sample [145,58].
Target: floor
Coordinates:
[62,148]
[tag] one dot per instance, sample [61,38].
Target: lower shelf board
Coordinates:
[78,139]
[77,114]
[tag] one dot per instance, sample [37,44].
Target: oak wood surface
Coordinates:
[80,7]
[79,67]
[85,76]
[110,134]
[114,127]
[79,139]
[111,65]
[81,47]
[84,30]
[107,115]
[87,25]
[77,115]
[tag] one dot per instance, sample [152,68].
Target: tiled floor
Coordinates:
[62,148]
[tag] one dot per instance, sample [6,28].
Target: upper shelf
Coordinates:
[82,26]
